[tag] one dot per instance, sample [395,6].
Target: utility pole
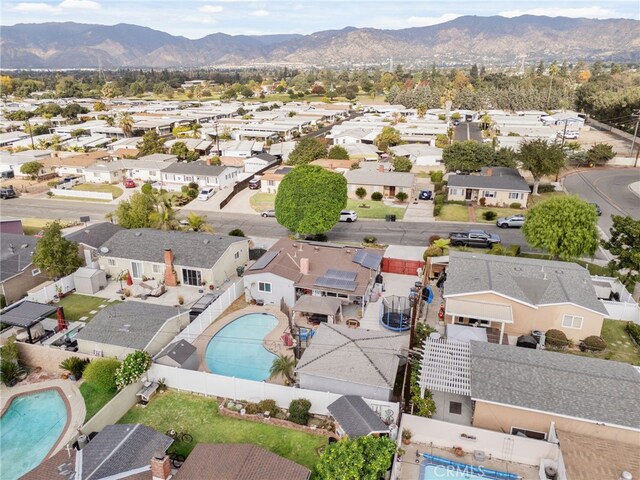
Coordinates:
[635,134]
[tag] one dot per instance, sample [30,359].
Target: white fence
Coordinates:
[212,312]
[629,312]
[239,389]
[626,308]
[82,194]
[46,293]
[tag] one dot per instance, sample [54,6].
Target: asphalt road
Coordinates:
[610,190]
[467,131]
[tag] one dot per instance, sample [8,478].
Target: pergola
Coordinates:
[329,306]
[26,315]
[446,366]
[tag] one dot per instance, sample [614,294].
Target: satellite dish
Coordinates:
[104,250]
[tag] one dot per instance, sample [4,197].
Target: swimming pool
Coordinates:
[29,428]
[435,468]
[237,350]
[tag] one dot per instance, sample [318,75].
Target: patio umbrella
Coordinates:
[129,279]
[62,323]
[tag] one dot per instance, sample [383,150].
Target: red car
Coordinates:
[128,183]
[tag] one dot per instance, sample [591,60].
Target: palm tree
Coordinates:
[283,365]
[553,71]
[198,223]
[125,122]
[165,217]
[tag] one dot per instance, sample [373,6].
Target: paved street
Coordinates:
[467,131]
[609,189]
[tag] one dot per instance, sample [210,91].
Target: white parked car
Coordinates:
[206,194]
[348,216]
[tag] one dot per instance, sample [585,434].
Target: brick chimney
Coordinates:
[489,172]
[304,266]
[170,276]
[161,467]
[381,168]
[208,161]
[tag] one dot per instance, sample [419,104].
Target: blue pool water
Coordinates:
[29,429]
[237,350]
[436,468]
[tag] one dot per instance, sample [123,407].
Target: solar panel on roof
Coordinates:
[341,274]
[371,261]
[336,283]
[263,261]
[359,256]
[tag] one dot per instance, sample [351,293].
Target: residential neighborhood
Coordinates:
[413,267]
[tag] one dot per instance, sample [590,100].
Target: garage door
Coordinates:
[403,267]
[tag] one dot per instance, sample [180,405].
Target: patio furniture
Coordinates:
[147,392]
[306,333]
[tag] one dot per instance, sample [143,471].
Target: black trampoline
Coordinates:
[395,314]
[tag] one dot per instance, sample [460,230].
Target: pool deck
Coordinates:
[410,470]
[73,400]
[271,342]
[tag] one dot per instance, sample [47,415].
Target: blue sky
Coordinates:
[197,18]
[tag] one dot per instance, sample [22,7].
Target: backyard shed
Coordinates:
[403,259]
[179,354]
[89,280]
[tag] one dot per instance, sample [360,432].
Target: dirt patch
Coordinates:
[593,136]
[24,186]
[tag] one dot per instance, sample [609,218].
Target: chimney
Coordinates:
[170,276]
[381,168]
[161,467]
[489,172]
[208,161]
[304,266]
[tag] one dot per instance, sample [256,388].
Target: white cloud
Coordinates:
[34,8]
[211,9]
[260,13]
[427,21]
[199,19]
[80,5]
[586,12]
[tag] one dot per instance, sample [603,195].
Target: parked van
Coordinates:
[255,184]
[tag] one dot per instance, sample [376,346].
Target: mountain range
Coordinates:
[470,39]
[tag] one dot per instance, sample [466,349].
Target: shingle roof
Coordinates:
[179,351]
[13,257]
[239,462]
[130,324]
[370,177]
[571,385]
[198,167]
[356,417]
[528,280]
[121,448]
[190,249]
[358,356]
[497,182]
[95,235]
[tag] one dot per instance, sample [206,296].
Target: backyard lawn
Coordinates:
[620,347]
[31,226]
[454,213]
[76,306]
[101,188]
[199,417]
[373,209]
[94,399]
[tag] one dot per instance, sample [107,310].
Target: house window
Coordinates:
[516,196]
[456,191]
[78,170]
[489,194]
[455,408]
[35,271]
[191,277]
[523,432]
[188,178]
[136,269]
[264,287]
[271,183]
[237,255]
[152,172]
[572,321]
[156,268]
[111,262]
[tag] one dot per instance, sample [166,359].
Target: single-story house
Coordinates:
[354,418]
[519,295]
[120,329]
[127,451]
[355,135]
[73,165]
[525,392]
[500,187]
[387,183]
[179,174]
[191,258]
[18,275]
[193,144]
[290,269]
[105,172]
[180,354]
[149,167]
[239,462]
[240,148]
[270,180]
[90,238]
[332,165]
[282,150]
[419,154]
[352,361]
[258,162]
[362,151]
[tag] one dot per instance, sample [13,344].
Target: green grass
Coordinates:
[262,201]
[100,188]
[76,306]
[533,200]
[454,213]
[375,210]
[199,417]
[31,226]
[500,212]
[94,399]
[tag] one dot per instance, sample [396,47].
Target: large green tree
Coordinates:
[338,152]
[55,254]
[307,150]
[600,153]
[310,199]
[624,244]
[151,143]
[364,458]
[564,226]
[468,156]
[402,164]
[541,158]
[137,212]
[31,168]
[388,137]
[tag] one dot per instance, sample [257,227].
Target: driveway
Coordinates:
[467,131]
[210,205]
[241,203]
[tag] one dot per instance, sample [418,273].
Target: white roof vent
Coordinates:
[104,250]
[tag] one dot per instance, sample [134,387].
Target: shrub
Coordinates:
[318,237]
[457,202]
[437,210]
[53,183]
[132,368]
[75,366]
[634,331]
[482,201]
[369,239]
[433,238]
[251,408]
[595,343]
[3,301]
[9,351]
[497,249]
[515,205]
[556,338]
[101,374]
[436,177]
[432,251]
[376,196]
[546,188]
[146,188]
[513,250]
[268,405]
[236,232]
[9,372]
[489,215]
[437,186]
[361,193]
[401,196]
[299,411]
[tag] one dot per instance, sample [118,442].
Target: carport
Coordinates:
[26,315]
[311,306]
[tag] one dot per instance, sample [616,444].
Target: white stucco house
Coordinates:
[178,174]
